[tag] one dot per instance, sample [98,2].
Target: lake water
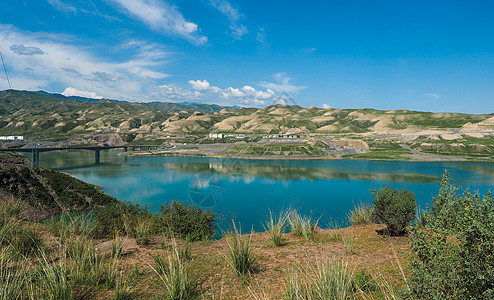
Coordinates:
[247,189]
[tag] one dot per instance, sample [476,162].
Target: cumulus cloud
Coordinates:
[70,91]
[233,15]
[65,64]
[432,95]
[23,50]
[325,106]
[162,17]
[282,84]
[202,90]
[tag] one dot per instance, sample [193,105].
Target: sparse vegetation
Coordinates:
[450,256]
[328,279]
[304,226]
[276,150]
[363,213]
[239,255]
[276,226]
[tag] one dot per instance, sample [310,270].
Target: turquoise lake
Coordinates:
[247,189]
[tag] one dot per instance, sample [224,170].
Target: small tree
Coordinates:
[453,254]
[394,208]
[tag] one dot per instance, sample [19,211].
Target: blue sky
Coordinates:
[390,54]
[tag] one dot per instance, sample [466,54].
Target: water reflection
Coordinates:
[290,172]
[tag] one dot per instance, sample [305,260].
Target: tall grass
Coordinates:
[275,226]
[12,278]
[176,278]
[362,214]
[349,243]
[86,266]
[303,226]
[239,253]
[67,224]
[143,231]
[324,280]
[53,279]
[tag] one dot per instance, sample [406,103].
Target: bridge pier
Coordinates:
[97,156]
[35,158]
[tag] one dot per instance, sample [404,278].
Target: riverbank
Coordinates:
[70,263]
[414,157]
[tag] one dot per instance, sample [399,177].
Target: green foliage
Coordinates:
[364,281]
[453,252]
[121,218]
[67,193]
[135,220]
[187,222]
[394,208]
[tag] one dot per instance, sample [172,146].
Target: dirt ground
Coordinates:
[383,257]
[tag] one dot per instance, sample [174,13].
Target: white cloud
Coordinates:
[65,64]
[202,90]
[62,6]
[432,95]
[163,17]
[325,106]
[199,85]
[233,15]
[282,84]
[261,37]
[70,91]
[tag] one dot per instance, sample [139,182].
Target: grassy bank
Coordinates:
[125,252]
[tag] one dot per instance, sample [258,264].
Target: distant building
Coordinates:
[216,135]
[12,138]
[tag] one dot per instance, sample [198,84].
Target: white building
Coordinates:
[216,135]
[12,138]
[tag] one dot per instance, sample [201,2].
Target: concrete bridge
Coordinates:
[35,151]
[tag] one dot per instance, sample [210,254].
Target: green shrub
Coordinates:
[187,222]
[394,208]
[364,281]
[453,252]
[121,218]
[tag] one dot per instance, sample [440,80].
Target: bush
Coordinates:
[453,252]
[121,218]
[394,208]
[187,222]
